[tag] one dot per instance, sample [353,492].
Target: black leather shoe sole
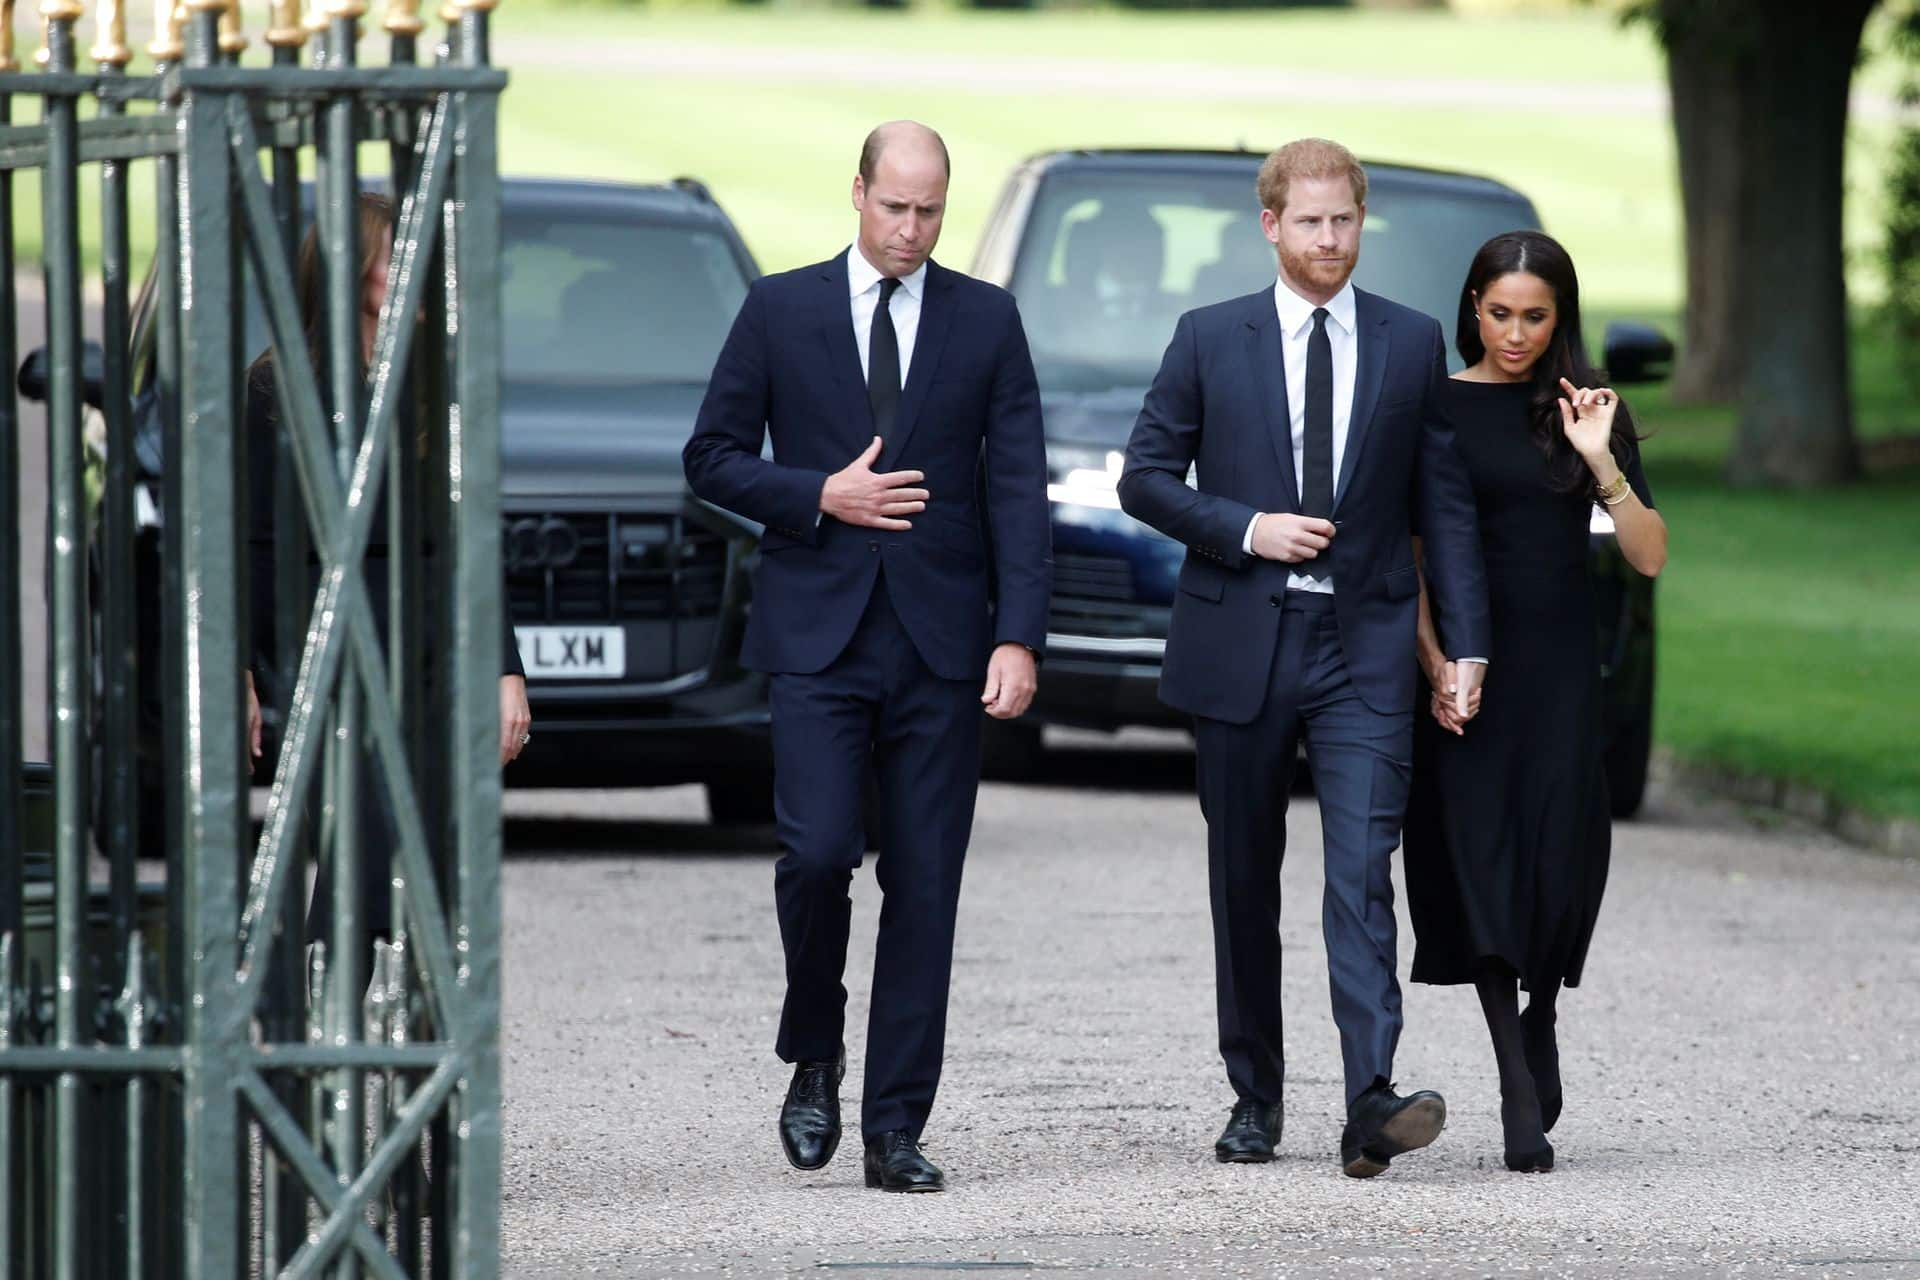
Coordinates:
[1238,1156]
[1412,1127]
[1358,1162]
[876,1181]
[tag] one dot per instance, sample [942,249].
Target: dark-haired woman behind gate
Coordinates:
[1508,830]
[377,831]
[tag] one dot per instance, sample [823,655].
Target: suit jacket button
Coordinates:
[873,546]
[1274,601]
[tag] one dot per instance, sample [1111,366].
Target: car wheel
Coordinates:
[741,800]
[1012,749]
[1627,757]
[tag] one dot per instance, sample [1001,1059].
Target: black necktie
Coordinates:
[883,363]
[1316,478]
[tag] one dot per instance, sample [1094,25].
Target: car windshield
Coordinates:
[1110,261]
[603,302]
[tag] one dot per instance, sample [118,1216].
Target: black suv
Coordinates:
[1104,250]
[628,596]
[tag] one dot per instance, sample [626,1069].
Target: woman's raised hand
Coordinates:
[1586,414]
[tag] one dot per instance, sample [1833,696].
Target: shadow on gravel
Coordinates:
[1102,769]
[1089,763]
[577,837]
[1083,762]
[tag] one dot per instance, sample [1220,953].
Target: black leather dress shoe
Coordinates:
[810,1117]
[1381,1125]
[1252,1133]
[894,1163]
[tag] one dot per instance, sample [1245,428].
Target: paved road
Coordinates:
[1740,1065]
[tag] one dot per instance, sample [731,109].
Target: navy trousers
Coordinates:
[1361,762]
[877,707]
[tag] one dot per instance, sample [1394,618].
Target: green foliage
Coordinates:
[1902,251]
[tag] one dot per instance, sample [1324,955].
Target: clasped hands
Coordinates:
[858,495]
[1293,539]
[1456,691]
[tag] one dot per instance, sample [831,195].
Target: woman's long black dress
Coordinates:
[378,830]
[1508,829]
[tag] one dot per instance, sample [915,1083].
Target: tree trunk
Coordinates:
[1760,114]
[1702,82]
[1796,410]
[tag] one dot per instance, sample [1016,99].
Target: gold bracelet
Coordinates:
[1620,495]
[1613,490]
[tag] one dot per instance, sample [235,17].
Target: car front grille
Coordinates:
[1093,595]
[664,575]
[1085,577]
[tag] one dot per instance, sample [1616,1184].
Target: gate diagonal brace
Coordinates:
[346,1207]
[344,536]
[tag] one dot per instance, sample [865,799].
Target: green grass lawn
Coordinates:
[778,150]
[1789,623]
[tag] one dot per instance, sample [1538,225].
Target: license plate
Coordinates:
[573,653]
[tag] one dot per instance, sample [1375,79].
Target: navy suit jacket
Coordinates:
[1220,400]
[970,411]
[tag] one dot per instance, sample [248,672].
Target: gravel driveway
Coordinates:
[1740,1065]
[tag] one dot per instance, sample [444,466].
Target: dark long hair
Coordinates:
[1541,255]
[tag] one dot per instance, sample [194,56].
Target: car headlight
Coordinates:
[1084,477]
[1088,477]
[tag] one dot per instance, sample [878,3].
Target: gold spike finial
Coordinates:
[283,25]
[52,11]
[7,61]
[316,20]
[169,21]
[403,18]
[233,40]
[110,36]
[344,8]
[476,6]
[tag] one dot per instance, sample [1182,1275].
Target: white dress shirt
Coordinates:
[863,286]
[1296,327]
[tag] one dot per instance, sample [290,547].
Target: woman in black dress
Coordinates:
[1508,828]
[263,427]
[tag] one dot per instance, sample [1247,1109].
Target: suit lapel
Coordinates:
[1269,360]
[843,357]
[929,339]
[1372,333]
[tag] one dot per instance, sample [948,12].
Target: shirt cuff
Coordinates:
[1481,661]
[1246,541]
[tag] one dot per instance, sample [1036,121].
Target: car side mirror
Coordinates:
[1636,352]
[34,374]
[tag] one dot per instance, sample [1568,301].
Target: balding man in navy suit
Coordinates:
[890,607]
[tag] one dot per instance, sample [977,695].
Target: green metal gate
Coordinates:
[188,1086]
